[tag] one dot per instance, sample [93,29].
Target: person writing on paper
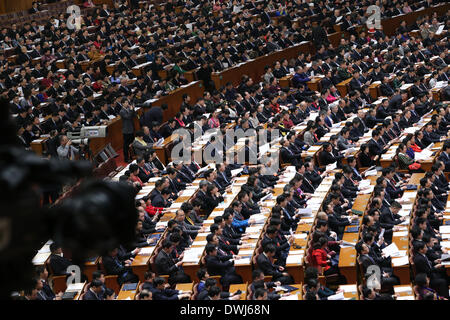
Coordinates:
[336,223]
[166,265]
[344,141]
[222,265]
[282,248]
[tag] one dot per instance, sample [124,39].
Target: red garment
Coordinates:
[151,210]
[416,148]
[288,124]
[97,86]
[47,82]
[331,98]
[135,178]
[319,259]
[97,44]
[275,108]
[180,122]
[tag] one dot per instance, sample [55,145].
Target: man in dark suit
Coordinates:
[445,156]
[113,266]
[161,292]
[435,271]
[429,136]
[287,155]
[355,83]
[366,260]
[390,215]
[266,265]
[165,264]
[281,248]
[327,157]
[154,114]
[94,291]
[222,265]
[58,263]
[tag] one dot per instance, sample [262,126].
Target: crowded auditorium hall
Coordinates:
[225,150]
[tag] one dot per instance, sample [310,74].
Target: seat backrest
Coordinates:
[194,292]
[59,283]
[416,292]
[249,292]
[111,282]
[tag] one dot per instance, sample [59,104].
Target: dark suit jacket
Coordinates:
[165,264]
[89,295]
[266,266]
[59,264]
[111,267]
[218,265]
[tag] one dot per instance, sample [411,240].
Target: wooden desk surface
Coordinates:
[410,291]
[415,178]
[77,297]
[347,257]
[298,292]
[127,295]
[185,286]
[361,202]
[350,291]
[242,287]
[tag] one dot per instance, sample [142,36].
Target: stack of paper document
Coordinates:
[40,258]
[294,259]
[242,261]
[391,250]
[75,287]
[306,212]
[402,261]
[444,229]
[147,251]
[424,155]
[400,234]
[399,289]
[337,296]
[258,218]
[364,184]
[290,297]
[192,255]
[349,288]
